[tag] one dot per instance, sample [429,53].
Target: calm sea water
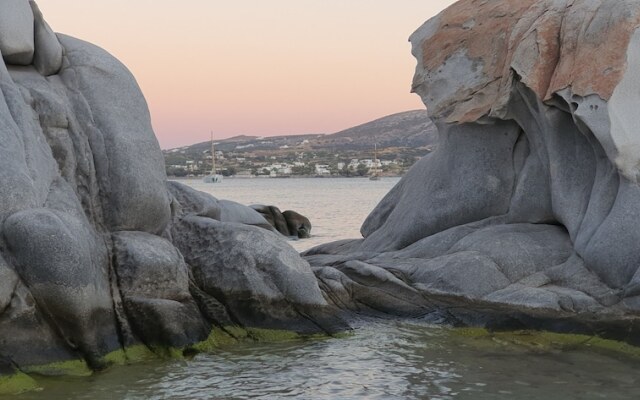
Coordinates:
[336,207]
[381,360]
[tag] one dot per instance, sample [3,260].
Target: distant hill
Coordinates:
[406,129]
[410,129]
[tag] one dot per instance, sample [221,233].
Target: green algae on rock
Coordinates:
[232,335]
[17,383]
[544,341]
[60,368]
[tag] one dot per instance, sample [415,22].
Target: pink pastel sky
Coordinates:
[256,67]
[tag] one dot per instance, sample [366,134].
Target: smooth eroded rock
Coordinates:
[154,284]
[48,50]
[260,279]
[526,214]
[89,271]
[16,32]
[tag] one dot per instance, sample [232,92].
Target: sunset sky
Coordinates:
[256,67]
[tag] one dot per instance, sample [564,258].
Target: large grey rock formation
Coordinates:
[97,252]
[527,214]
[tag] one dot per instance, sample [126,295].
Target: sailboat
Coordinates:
[374,175]
[213,177]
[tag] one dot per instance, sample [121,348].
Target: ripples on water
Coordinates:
[381,360]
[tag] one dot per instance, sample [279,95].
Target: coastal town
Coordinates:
[386,147]
[389,162]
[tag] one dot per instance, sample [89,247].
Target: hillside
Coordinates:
[402,138]
[406,129]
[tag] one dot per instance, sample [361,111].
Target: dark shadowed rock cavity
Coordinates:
[289,223]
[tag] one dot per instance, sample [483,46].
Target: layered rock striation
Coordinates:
[527,213]
[98,253]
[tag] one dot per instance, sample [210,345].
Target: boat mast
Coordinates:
[213,157]
[375,159]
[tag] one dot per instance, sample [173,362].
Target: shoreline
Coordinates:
[286,177]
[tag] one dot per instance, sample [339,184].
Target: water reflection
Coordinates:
[382,360]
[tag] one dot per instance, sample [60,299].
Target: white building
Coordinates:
[193,165]
[280,169]
[322,169]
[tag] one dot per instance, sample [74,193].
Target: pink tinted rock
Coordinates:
[549,45]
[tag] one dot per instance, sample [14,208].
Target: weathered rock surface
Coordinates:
[525,216]
[527,213]
[48,55]
[98,253]
[261,280]
[16,32]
